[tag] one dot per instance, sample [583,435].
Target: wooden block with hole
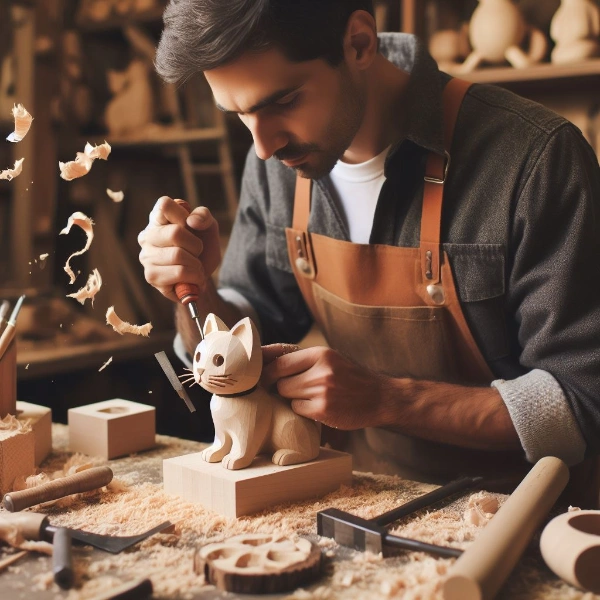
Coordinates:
[40,418]
[257,487]
[112,428]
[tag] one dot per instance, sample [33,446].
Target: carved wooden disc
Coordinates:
[257,563]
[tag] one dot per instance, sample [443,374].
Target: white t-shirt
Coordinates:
[356,189]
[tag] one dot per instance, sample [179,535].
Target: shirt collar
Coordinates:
[424,115]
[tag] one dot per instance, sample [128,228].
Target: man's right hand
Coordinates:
[179,247]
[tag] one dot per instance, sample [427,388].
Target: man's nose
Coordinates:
[268,138]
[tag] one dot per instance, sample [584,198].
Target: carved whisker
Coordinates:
[186,369]
[188,379]
[184,375]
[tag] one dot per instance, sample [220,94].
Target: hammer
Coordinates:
[362,534]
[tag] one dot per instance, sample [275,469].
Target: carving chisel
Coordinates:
[167,367]
[9,331]
[187,293]
[85,481]
[36,527]
[62,558]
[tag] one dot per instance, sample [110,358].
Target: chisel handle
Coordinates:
[90,479]
[29,524]
[186,292]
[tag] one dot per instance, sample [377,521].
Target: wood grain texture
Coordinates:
[8,381]
[234,493]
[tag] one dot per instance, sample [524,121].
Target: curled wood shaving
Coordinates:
[81,220]
[83,161]
[481,508]
[10,174]
[10,424]
[22,123]
[122,327]
[91,288]
[115,196]
[105,364]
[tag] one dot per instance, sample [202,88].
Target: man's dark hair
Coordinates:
[200,35]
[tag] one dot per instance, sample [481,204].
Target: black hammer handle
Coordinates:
[458,485]
[90,479]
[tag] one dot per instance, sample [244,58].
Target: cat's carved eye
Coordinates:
[197,357]
[218,360]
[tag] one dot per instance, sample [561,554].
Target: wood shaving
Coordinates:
[105,364]
[481,508]
[81,220]
[115,196]
[22,123]
[9,560]
[91,288]
[44,256]
[122,327]
[10,174]
[83,161]
[10,425]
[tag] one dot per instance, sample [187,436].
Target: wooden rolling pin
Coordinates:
[85,481]
[482,569]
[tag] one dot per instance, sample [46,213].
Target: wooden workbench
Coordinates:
[167,558]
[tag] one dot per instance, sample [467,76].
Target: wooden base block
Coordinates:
[112,428]
[263,484]
[40,418]
[17,457]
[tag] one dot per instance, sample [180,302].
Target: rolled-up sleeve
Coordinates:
[554,295]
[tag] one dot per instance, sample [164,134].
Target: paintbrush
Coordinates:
[167,367]
[9,332]
[3,312]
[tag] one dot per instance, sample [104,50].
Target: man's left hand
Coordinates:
[324,386]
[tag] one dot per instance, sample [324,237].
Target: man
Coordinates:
[463,336]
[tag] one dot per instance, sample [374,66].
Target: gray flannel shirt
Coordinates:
[521,226]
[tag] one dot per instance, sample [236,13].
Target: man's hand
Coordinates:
[324,386]
[179,247]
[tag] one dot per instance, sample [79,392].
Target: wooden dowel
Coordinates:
[484,566]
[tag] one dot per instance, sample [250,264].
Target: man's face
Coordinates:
[305,114]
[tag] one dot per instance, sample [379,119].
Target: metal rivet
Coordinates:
[303,266]
[436,293]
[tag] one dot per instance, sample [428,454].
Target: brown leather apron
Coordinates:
[395,311]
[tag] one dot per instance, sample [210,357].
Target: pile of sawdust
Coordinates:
[137,503]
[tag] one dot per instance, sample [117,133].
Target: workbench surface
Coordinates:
[140,504]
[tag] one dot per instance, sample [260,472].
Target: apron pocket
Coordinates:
[395,341]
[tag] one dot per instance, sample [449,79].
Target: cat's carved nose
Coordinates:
[198,373]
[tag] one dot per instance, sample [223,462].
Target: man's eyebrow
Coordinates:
[263,103]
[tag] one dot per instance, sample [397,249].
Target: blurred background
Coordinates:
[83,69]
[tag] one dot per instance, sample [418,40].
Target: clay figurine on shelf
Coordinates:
[248,419]
[449,47]
[497,32]
[575,28]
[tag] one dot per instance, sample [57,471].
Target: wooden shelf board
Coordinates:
[117,22]
[44,361]
[162,137]
[541,72]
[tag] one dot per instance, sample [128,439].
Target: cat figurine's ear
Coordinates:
[245,330]
[213,323]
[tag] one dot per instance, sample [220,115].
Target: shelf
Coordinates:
[119,22]
[162,136]
[541,72]
[45,359]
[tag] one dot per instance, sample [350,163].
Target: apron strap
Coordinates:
[436,172]
[302,203]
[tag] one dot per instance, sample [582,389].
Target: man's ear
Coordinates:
[360,40]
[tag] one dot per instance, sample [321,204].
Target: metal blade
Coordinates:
[167,367]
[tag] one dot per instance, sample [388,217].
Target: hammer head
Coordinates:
[351,531]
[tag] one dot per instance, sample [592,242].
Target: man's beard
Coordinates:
[341,131]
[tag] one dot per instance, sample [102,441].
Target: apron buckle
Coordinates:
[436,293]
[302,262]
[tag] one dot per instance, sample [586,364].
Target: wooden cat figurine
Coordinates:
[248,419]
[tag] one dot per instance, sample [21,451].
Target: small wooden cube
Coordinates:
[17,457]
[259,486]
[112,428]
[40,418]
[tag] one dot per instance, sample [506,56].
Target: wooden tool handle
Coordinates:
[186,292]
[87,480]
[29,524]
[482,569]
